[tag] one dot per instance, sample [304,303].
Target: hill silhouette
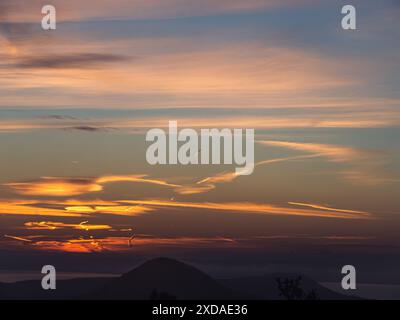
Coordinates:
[167,277]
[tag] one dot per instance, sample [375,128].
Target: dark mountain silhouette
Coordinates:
[163,279]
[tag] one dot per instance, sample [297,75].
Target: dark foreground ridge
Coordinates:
[164,279]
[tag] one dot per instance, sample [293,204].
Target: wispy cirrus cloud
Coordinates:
[255,208]
[366,167]
[211,182]
[323,207]
[206,184]
[370,177]
[182,71]
[334,153]
[18,238]
[64,187]
[250,74]
[85,208]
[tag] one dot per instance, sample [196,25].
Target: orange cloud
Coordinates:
[86,207]
[115,209]
[56,187]
[32,208]
[76,246]
[133,178]
[63,187]
[48,225]
[74,208]
[92,244]
[69,208]
[258,208]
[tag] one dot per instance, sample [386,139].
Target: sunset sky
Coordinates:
[76,103]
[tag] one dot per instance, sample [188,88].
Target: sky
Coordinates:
[76,103]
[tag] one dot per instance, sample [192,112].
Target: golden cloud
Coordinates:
[69,208]
[64,187]
[56,187]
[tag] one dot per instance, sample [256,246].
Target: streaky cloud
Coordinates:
[50,225]
[318,206]
[252,208]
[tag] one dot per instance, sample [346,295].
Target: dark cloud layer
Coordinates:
[57,117]
[10,30]
[88,128]
[69,61]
